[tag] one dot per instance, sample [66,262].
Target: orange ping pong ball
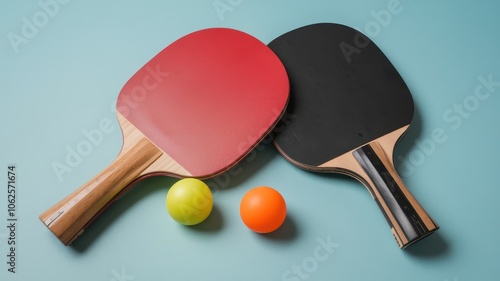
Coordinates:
[189,201]
[263,209]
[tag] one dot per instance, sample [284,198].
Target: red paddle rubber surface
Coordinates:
[208,98]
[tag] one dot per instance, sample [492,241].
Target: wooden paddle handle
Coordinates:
[68,218]
[408,220]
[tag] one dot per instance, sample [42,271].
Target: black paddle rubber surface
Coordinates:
[344,93]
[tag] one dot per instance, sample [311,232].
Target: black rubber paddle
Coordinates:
[350,107]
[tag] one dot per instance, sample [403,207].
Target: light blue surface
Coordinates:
[65,80]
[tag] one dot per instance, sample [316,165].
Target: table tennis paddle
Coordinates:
[350,106]
[194,110]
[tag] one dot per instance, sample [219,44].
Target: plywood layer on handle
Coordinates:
[164,164]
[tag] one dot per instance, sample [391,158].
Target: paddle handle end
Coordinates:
[68,218]
[408,220]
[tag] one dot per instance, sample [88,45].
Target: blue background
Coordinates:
[66,77]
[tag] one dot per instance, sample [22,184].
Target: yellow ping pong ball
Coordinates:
[189,201]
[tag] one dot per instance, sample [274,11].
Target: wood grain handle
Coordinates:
[68,218]
[408,220]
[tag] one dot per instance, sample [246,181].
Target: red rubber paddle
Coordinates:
[194,110]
